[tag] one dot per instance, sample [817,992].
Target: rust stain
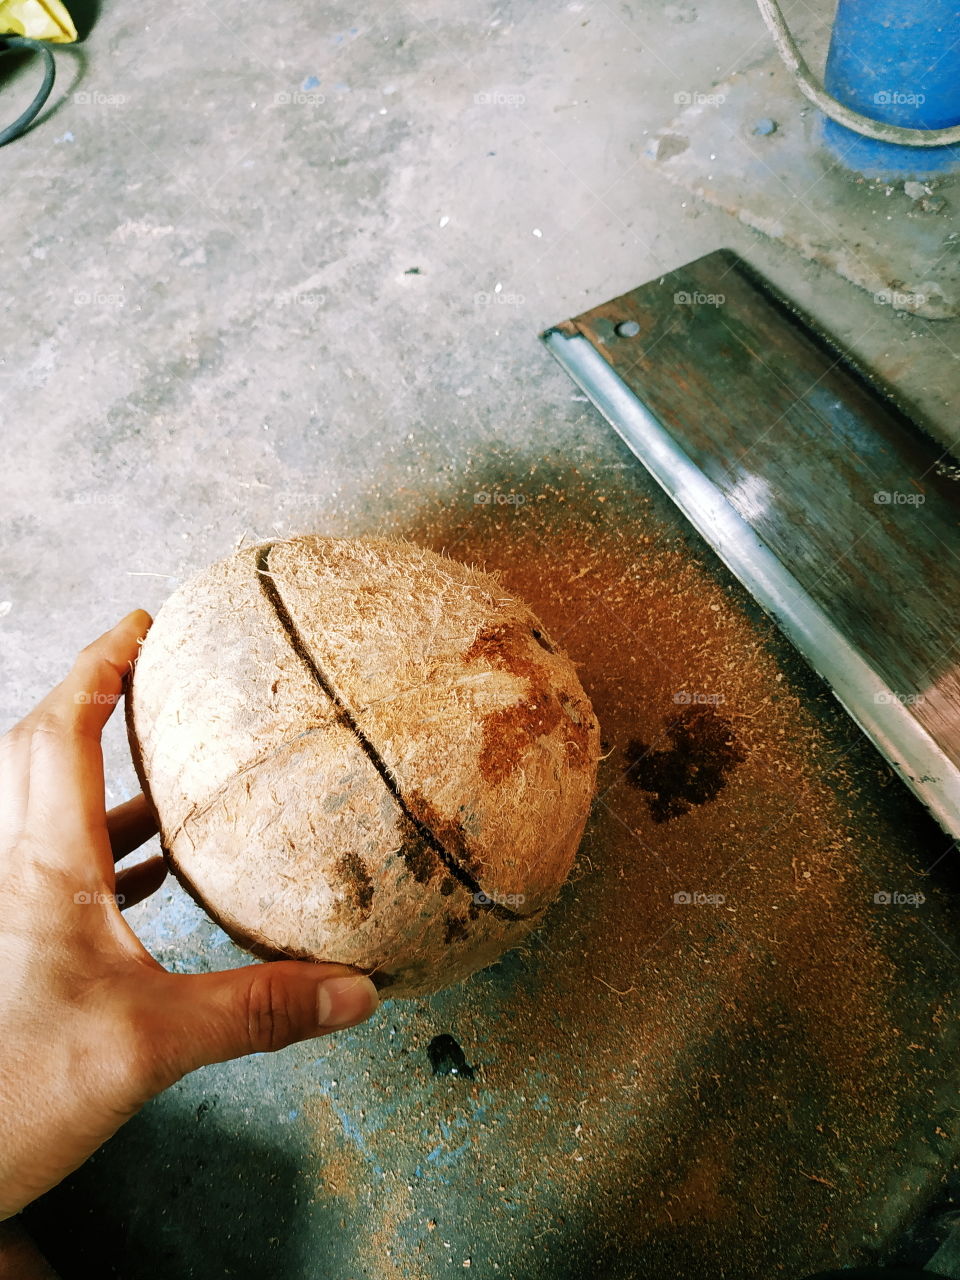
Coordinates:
[508,733]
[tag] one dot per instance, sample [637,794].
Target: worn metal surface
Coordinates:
[823,498]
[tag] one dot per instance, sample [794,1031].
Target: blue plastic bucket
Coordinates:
[896,61]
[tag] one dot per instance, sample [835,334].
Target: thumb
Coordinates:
[212,1017]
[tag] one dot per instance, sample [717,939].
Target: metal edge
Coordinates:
[862,692]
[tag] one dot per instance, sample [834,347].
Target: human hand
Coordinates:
[91,1026]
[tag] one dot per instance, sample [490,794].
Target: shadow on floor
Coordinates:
[179,1192]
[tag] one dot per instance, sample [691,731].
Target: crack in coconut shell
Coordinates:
[346,718]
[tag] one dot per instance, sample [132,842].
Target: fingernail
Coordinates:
[344,1001]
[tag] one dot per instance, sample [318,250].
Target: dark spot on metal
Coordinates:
[448,886]
[446,1057]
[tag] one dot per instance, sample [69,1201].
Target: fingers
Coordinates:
[136,883]
[130,825]
[217,1016]
[66,762]
[84,701]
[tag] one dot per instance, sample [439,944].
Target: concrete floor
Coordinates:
[252,288]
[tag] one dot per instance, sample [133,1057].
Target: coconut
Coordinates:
[361,751]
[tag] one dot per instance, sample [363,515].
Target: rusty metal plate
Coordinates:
[830,505]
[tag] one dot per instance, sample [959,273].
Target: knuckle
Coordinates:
[47,724]
[96,671]
[92,651]
[270,1012]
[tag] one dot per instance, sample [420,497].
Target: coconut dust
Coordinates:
[721,1054]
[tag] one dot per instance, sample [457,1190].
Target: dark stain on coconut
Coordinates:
[446,1057]
[507,733]
[448,831]
[426,833]
[358,887]
[431,842]
[419,855]
[693,770]
[455,931]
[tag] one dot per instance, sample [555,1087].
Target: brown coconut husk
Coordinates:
[362,751]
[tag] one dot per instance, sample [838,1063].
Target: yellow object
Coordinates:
[37,19]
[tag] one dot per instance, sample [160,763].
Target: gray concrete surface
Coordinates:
[273,269]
